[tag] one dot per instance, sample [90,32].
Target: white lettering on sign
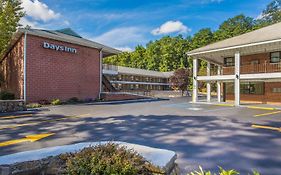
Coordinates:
[47,45]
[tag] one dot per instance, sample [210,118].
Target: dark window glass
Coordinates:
[256,88]
[229,62]
[252,88]
[275,57]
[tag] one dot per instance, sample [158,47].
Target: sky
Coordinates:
[124,24]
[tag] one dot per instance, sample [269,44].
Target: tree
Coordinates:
[180,79]
[234,26]
[271,15]
[202,38]
[10,15]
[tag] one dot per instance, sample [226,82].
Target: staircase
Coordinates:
[108,86]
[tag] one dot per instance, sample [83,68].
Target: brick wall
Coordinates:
[55,74]
[11,68]
[269,96]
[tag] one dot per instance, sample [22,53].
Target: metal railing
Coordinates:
[109,67]
[265,67]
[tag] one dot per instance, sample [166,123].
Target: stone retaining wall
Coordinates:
[47,161]
[12,105]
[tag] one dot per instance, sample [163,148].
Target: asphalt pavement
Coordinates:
[207,135]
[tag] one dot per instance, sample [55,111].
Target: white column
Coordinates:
[208,83]
[237,79]
[219,85]
[101,57]
[195,82]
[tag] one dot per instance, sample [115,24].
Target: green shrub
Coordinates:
[221,172]
[4,95]
[34,105]
[73,100]
[108,159]
[56,102]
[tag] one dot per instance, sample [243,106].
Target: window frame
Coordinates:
[229,64]
[271,57]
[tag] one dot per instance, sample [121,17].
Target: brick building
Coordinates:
[245,68]
[47,64]
[134,80]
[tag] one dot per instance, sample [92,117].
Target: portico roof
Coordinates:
[266,39]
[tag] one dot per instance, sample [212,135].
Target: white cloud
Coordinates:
[125,49]
[171,27]
[39,11]
[24,22]
[122,37]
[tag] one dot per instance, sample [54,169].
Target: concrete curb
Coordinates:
[241,106]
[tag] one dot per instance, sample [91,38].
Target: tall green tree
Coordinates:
[271,15]
[234,26]
[202,38]
[10,14]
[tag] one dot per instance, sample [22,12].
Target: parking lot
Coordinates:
[208,135]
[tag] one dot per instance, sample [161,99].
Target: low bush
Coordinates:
[4,95]
[73,100]
[221,172]
[56,102]
[108,159]
[34,105]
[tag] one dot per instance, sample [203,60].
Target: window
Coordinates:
[256,88]
[275,57]
[276,90]
[229,62]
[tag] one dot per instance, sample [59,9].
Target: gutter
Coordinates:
[24,66]
[101,73]
[233,47]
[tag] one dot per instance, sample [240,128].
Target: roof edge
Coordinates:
[105,48]
[191,53]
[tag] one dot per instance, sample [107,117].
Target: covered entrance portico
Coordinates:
[245,58]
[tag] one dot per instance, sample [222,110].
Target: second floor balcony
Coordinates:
[265,67]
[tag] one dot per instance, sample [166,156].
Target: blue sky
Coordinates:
[127,23]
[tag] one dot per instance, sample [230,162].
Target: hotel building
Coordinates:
[60,64]
[136,80]
[247,67]
[48,64]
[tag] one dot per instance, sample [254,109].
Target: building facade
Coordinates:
[247,67]
[136,80]
[44,65]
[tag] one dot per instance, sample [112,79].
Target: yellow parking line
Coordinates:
[16,116]
[262,108]
[265,114]
[266,127]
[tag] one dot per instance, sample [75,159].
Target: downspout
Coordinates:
[24,66]
[100,90]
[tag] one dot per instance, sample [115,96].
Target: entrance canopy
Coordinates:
[267,39]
